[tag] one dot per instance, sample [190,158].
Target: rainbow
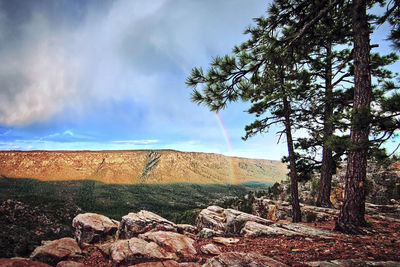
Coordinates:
[229,144]
[187,71]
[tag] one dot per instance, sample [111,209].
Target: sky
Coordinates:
[102,75]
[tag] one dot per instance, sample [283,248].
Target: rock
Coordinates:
[154,264]
[134,224]
[186,228]
[226,240]
[52,252]
[227,220]
[210,249]
[235,220]
[271,209]
[71,264]
[169,263]
[207,233]
[135,248]
[94,228]
[351,263]
[236,259]
[306,230]
[212,217]
[20,262]
[253,229]
[179,244]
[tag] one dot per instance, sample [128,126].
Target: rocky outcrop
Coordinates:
[229,221]
[144,221]
[179,244]
[94,228]
[52,252]
[153,247]
[242,259]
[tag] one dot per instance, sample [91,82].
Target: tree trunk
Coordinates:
[296,217]
[352,212]
[323,199]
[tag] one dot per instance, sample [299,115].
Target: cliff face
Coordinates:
[138,166]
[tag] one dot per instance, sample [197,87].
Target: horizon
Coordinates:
[128,150]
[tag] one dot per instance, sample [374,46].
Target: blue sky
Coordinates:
[93,75]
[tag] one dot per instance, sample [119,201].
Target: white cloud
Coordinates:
[134,51]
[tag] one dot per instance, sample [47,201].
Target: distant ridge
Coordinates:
[138,166]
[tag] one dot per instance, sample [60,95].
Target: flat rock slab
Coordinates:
[137,249]
[19,262]
[94,228]
[307,230]
[52,252]
[236,259]
[179,244]
[353,263]
[226,240]
[210,249]
[253,229]
[134,224]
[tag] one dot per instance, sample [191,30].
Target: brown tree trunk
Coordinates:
[296,217]
[352,212]
[324,193]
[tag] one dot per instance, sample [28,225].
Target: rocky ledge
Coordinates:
[221,237]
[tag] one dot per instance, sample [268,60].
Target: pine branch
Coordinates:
[311,23]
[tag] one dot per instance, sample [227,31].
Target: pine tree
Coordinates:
[268,77]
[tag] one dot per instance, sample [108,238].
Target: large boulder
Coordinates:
[94,228]
[134,249]
[212,217]
[134,224]
[229,221]
[52,252]
[236,259]
[179,244]
[20,262]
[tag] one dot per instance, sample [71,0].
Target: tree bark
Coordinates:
[352,212]
[296,217]
[324,193]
